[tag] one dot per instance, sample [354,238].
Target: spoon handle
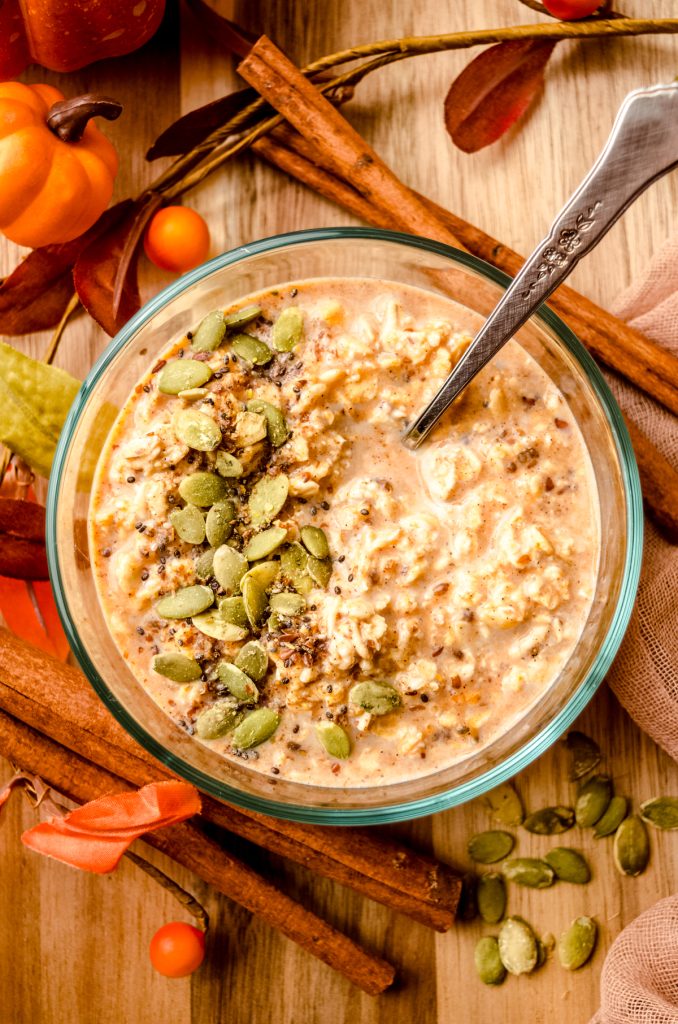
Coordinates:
[642,146]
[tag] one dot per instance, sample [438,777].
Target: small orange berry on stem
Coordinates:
[177,949]
[177,239]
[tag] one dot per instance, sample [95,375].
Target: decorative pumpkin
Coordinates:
[64,35]
[56,168]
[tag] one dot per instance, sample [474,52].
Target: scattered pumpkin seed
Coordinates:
[320,570]
[517,946]
[232,609]
[334,739]
[662,812]
[550,821]
[377,698]
[213,624]
[294,564]
[252,659]
[276,426]
[287,604]
[193,394]
[263,573]
[489,847]
[237,683]
[529,871]
[315,541]
[228,568]
[577,943]
[631,846]
[203,565]
[505,805]
[491,898]
[177,667]
[265,543]
[219,523]
[218,719]
[181,375]
[185,603]
[189,524]
[255,599]
[584,754]
[593,799]
[613,817]
[288,329]
[227,465]
[267,497]
[249,429]
[198,430]
[255,728]
[210,332]
[242,316]
[489,966]
[568,865]
[203,489]
[252,350]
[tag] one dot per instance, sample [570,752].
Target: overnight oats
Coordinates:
[292,585]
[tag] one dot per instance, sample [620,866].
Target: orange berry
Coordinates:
[177,949]
[177,239]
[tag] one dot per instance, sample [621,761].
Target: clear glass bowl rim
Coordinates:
[534,747]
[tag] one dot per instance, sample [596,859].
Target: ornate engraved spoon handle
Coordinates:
[642,146]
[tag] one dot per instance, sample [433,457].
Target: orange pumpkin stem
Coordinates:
[68,118]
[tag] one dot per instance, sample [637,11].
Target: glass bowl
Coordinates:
[340,252]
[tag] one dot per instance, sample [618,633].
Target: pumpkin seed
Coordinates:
[255,600]
[276,426]
[315,541]
[265,543]
[237,683]
[584,754]
[577,943]
[189,524]
[219,523]
[377,698]
[232,609]
[249,429]
[320,570]
[549,821]
[227,465]
[203,489]
[294,563]
[491,898]
[334,739]
[593,799]
[210,332]
[489,847]
[193,394]
[631,846]
[242,316]
[177,667]
[287,604]
[252,350]
[529,871]
[255,728]
[568,865]
[263,573]
[267,497]
[505,805]
[185,603]
[218,719]
[491,970]
[288,329]
[183,374]
[517,946]
[662,812]
[203,565]
[252,659]
[198,430]
[228,568]
[613,817]
[213,624]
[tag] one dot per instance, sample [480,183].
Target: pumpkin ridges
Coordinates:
[44,219]
[48,94]
[24,169]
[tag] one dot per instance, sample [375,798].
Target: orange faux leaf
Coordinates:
[21,616]
[44,598]
[95,836]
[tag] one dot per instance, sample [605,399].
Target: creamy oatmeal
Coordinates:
[292,585]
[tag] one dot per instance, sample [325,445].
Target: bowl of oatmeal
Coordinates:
[287,606]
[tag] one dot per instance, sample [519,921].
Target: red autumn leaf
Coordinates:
[494,91]
[22,540]
[186,132]
[222,30]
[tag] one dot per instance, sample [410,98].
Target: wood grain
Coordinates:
[73,948]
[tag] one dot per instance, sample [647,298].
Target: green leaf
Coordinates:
[35,402]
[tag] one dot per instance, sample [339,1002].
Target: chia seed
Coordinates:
[131,479]
[106,553]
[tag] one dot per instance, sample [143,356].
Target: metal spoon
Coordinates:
[642,146]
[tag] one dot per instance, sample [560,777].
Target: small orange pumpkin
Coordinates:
[56,168]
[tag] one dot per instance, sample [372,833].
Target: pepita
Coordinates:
[203,489]
[294,564]
[491,898]
[489,847]
[263,573]
[584,754]
[377,698]
[288,329]
[213,624]
[255,599]
[662,812]
[592,801]
[276,427]
[631,846]
[550,821]
[177,667]
[193,394]
[182,375]
[228,568]
[529,871]
[242,316]
[189,524]
[252,350]
[517,946]
[232,609]
[198,430]
[218,719]
[287,604]
[237,683]
[568,865]
[255,728]
[613,817]
[505,805]
[315,541]
[219,523]
[577,943]
[210,332]
[228,466]
[185,603]
[267,498]
[249,429]
[265,543]
[252,659]
[320,570]
[489,966]
[203,564]
[334,739]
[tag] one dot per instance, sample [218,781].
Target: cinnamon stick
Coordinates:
[80,780]
[57,700]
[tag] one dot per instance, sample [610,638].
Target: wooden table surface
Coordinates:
[73,947]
